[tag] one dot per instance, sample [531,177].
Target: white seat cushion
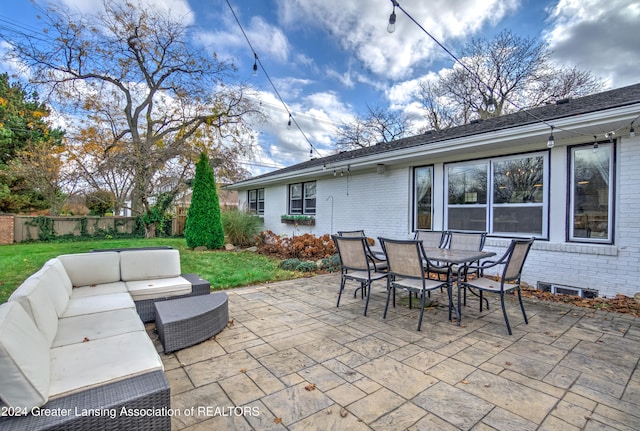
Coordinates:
[85,269]
[24,359]
[149,264]
[88,327]
[80,366]
[98,289]
[158,288]
[33,296]
[98,304]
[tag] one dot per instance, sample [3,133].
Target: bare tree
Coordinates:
[502,75]
[378,126]
[156,97]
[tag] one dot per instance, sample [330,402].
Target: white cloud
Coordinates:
[269,42]
[600,36]
[178,8]
[361,28]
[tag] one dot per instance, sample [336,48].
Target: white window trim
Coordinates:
[489,205]
[571,208]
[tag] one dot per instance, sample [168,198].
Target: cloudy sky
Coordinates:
[330,59]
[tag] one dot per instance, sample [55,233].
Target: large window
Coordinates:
[503,196]
[591,193]
[423,180]
[256,200]
[302,198]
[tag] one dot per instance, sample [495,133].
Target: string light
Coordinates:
[551,141]
[289,122]
[391,27]
[632,133]
[595,144]
[257,62]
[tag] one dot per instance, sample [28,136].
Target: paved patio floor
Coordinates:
[291,360]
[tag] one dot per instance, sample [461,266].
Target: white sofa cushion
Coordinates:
[149,264]
[50,278]
[89,327]
[98,289]
[24,359]
[98,304]
[58,269]
[80,366]
[34,297]
[86,269]
[158,288]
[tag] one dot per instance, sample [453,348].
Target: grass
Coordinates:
[223,269]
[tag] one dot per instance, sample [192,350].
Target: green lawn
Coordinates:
[223,269]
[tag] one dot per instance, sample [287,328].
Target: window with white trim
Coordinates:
[302,198]
[502,196]
[591,193]
[255,200]
[423,195]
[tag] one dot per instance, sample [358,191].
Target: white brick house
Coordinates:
[498,175]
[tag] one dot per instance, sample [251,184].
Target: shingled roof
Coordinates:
[616,98]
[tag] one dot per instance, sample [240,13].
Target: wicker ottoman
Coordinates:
[184,322]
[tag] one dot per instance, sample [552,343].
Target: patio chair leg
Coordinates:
[421,310]
[526,321]
[366,305]
[504,311]
[341,289]
[386,307]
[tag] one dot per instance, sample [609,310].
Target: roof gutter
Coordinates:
[564,128]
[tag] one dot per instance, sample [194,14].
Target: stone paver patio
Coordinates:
[291,360]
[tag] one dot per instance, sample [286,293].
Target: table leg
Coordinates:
[450,292]
[459,310]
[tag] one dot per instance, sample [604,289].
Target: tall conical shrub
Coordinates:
[204,224]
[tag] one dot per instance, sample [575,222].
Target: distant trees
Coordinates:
[204,223]
[30,152]
[379,125]
[145,100]
[502,75]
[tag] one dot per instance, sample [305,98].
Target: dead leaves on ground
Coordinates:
[619,303]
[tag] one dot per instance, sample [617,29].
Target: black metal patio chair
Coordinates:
[513,262]
[356,264]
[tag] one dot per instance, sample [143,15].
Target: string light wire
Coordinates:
[481,82]
[292,119]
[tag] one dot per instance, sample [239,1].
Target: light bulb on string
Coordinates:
[632,132]
[391,27]
[289,122]
[255,64]
[551,142]
[595,144]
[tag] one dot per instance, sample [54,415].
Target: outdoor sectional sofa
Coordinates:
[74,352]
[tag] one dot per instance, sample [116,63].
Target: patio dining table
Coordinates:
[452,257]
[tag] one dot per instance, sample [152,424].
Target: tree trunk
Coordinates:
[150,230]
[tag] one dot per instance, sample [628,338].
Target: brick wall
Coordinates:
[6,229]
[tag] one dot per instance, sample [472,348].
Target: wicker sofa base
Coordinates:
[146,309]
[137,403]
[187,321]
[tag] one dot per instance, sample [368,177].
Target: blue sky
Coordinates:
[330,59]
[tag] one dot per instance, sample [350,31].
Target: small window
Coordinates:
[423,194]
[590,217]
[302,198]
[256,200]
